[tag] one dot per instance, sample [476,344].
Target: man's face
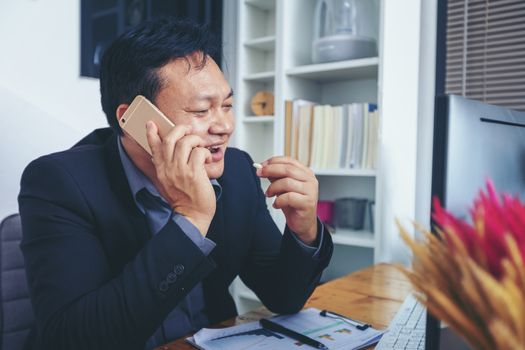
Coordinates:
[201,98]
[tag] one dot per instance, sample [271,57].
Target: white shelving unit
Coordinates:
[259,119]
[260,77]
[337,71]
[273,47]
[364,239]
[266,43]
[345,172]
[262,4]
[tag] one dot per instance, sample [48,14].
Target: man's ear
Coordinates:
[121,109]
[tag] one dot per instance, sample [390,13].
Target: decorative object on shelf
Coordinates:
[262,103]
[344,29]
[350,213]
[472,276]
[325,211]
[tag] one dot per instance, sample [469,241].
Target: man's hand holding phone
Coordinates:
[179,160]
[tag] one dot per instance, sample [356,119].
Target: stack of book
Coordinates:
[332,137]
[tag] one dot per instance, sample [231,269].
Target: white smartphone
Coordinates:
[134,120]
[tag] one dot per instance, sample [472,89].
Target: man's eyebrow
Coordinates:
[211,97]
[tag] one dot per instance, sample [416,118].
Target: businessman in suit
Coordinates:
[129,251]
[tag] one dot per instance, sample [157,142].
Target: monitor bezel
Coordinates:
[439,170]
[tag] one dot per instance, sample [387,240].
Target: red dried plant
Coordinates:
[472,276]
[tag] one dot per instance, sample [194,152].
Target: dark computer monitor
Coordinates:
[473,141]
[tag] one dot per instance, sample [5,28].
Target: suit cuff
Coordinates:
[316,247]
[205,245]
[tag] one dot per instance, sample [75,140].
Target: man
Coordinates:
[128,251]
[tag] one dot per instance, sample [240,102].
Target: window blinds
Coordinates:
[485,57]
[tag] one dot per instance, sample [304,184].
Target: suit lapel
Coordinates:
[134,219]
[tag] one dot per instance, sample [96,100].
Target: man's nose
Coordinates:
[222,123]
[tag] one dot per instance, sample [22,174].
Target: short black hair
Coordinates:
[130,65]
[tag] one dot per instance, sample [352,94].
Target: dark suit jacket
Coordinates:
[99,280]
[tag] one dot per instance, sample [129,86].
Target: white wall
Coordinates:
[399,101]
[46,106]
[427,79]
[27,132]
[407,101]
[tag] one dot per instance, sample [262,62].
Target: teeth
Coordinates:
[213,149]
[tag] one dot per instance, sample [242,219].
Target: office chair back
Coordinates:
[16,313]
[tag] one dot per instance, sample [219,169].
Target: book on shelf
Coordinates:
[337,138]
[328,121]
[343,136]
[288,105]
[357,145]
[305,133]
[366,126]
[373,139]
[317,136]
[349,135]
[332,137]
[292,125]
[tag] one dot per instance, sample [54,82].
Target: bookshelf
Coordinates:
[364,239]
[266,43]
[337,71]
[268,76]
[258,119]
[345,172]
[273,53]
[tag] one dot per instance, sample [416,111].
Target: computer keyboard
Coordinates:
[407,329]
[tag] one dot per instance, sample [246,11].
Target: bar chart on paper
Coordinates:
[335,334]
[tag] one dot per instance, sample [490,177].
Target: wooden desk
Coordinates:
[372,295]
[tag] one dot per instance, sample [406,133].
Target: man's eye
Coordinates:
[227,107]
[202,111]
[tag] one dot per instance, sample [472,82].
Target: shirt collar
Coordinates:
[137,180]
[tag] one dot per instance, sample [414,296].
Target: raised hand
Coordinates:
[179,161]
[296,189]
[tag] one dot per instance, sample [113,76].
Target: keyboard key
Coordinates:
[407,329]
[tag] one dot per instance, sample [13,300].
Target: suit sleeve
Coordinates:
[279,270]
[78,302]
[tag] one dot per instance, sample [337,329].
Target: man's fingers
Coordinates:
[281,170]
[287,185]
[291,199]
[198,157]
[286,160]
[185,146]
[172,138]
[154,141]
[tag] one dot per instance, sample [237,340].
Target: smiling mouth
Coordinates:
[213,149]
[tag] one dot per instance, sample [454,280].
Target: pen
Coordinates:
[359,325]
[275,327]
